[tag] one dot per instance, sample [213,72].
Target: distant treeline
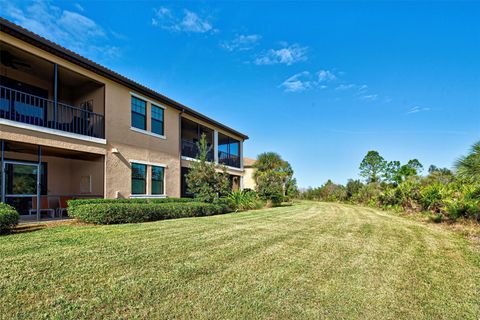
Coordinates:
[442,193]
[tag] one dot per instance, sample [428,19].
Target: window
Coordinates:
[158,180]
[228,151]
[139,108]
[139,178]
[157,120]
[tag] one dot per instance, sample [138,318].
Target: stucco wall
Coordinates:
[128,144]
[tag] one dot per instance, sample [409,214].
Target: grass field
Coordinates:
[312,260]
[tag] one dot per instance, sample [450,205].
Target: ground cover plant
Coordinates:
[310,260]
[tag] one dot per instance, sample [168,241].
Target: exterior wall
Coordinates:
[122,145]
[248,181]
[64,174]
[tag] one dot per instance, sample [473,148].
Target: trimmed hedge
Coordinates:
[8,218]
[133,212]
[73,203]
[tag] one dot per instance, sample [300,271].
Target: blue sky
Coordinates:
[319,83]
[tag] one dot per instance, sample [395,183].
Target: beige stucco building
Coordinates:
[72,128]
[248,170]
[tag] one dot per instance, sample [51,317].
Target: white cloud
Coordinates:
[370,97]
[305,80]
[69,29]
[343,87]
[79,7]
[417,109]
[242,42]
[287,55]
[189,22]
[297,83]
[325,75]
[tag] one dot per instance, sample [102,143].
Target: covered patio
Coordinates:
[39,180]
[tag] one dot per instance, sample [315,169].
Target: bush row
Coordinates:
[133,212]
[74,203]
[8,218]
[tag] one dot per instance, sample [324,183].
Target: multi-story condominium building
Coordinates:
[71,128]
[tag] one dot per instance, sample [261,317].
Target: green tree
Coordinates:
[353,188]
[272,176]
[204,179]
[391,172]
[468,167]
[372,166]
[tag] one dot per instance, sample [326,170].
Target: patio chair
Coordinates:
[63,205]
[44,206]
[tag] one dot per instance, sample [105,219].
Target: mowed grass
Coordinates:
[312,260]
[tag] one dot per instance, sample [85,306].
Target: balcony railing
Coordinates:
[26,108]
[228,159]
[190,149]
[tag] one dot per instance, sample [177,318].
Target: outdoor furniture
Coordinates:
[44,206]
[63,205]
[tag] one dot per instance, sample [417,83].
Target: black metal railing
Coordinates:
[190,149]
[228,159]
[26,108]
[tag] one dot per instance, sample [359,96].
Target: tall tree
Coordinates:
[468,167]
[272,175]
[372,166]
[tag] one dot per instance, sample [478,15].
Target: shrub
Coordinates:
[369,194]
[431,197]
[114,213]
[244,200]
[78,202]
[8,218]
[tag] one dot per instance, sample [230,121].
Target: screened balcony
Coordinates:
[191,135]
[39,93]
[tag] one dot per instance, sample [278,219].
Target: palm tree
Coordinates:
[468,166]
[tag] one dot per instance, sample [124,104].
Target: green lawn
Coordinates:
[305,261]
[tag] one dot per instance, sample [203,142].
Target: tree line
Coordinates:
[441,193]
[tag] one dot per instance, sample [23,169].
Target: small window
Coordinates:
[158,180]
[157,120]
[139,108]
[139,178]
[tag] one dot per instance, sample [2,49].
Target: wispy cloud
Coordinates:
[79,7]
[417,109]
[370,97]
[188,21]
[305,80]
[241,42]
[72,30]
[344,87]
[286,55]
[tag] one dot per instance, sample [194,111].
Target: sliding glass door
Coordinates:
[20,182]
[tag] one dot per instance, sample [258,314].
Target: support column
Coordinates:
[39,171]
[55,94]
[2,142]
[241,155]
[215,146]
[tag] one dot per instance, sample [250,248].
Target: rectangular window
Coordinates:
[139,111]
[139,178]
[157,120]
[158,174]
